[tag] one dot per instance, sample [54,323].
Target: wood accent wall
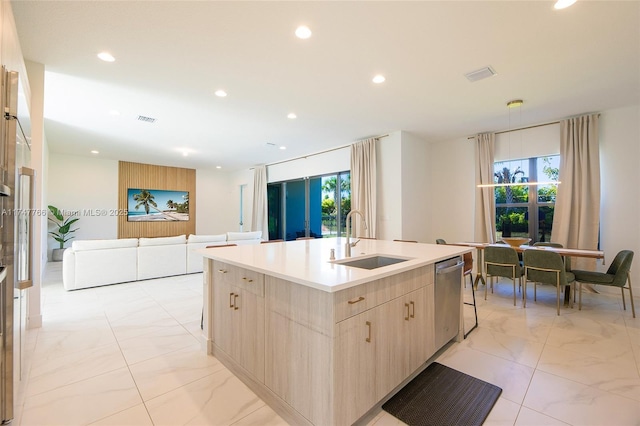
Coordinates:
[148,176]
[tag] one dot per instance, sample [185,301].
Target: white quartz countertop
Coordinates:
[307,262]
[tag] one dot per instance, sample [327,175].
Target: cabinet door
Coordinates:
[224,326]
[238,326]
[420,331]
[248,332]
[358,339]
[409,336]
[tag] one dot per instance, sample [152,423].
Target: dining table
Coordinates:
[564,252]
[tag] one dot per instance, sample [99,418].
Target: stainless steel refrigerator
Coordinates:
[16,221]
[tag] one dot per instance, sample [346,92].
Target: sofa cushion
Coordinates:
[161,241]
[237,236]
[206,238]
[81,245]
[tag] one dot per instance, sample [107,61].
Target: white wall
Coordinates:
[389,182]
[452,173]
[85,184]
[218,195]
[620,193]
[416,189]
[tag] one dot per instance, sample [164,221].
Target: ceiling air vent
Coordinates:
[480,74]
[146,119]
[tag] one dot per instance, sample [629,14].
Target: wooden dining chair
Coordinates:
[306,238]
[406,241]
[502,262]
[222,245]
[617,275]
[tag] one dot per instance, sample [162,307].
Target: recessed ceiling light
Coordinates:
[561,4]
[303,32]
[114,112]
[292,116]
[220,93]
[218,167]
[283,148]
[185,154]
[95,152]
[379,79]
[106,56]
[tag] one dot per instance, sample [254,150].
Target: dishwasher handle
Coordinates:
[450,268]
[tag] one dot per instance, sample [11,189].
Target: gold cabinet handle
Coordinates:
[368,339]
[222,271]
[413,309]
[231,299]
[249,280]
[235,302]
[406,305]
[360,299]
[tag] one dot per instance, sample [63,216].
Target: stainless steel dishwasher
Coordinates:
[448,285]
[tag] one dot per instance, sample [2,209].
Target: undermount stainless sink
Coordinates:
[371,262]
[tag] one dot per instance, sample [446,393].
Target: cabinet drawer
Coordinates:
[239,277]
[354,300]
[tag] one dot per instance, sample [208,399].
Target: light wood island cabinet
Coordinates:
[315,356]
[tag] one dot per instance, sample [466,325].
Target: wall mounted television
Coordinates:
[157,205]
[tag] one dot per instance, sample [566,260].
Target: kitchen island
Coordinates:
[322,342]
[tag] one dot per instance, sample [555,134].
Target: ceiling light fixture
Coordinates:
[106,56]
[218,167]
[95,152]
[220,93]
[283,148]
[303,32]
[292,116]
[563,4]
[379,79]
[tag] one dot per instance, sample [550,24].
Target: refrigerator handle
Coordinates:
[28,282]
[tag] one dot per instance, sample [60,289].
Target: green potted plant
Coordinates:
[63,231]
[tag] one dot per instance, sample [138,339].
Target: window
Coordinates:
[523,210]
[309,207]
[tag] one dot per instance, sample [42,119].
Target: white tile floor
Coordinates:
[129,354]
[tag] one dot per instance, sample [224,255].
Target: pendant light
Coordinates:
[516,103]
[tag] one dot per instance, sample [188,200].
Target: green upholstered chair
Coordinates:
[502,262]
[546,267]
[616,276]
[567,259]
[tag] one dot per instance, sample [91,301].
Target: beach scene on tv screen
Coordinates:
[150,205]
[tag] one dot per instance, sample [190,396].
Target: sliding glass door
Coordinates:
[310,207]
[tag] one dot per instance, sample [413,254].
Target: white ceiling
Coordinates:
[172,55]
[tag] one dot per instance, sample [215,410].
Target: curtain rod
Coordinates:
[321,152]
[520,128]
[528,127]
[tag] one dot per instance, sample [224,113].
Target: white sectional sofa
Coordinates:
[92,263]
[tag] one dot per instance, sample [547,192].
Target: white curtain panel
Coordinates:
[363,187]
[260,215]
[485,217]
[576,220]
